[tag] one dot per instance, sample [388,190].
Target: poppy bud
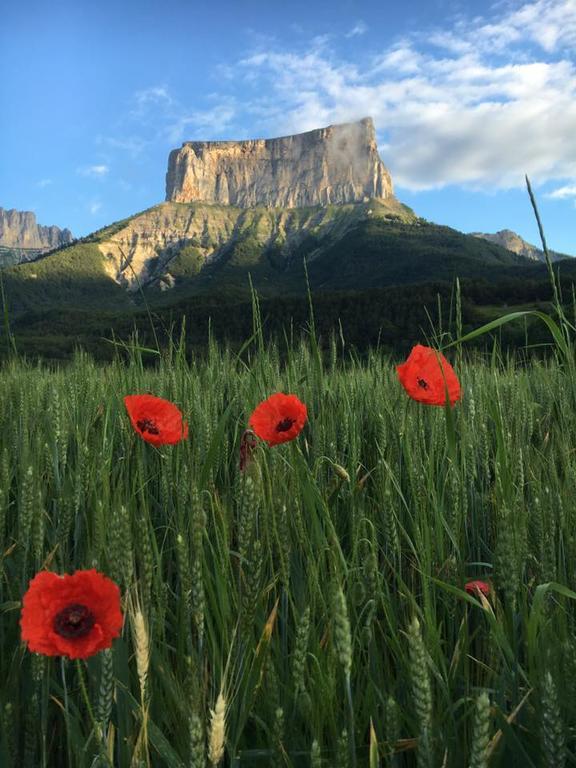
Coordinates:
[247,447]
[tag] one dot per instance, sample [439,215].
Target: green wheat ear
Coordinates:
[197,747]
[342,634]
[421,694]
[553,731]
[198,514]
[481,733]
[277,739]
[315,755]
[300,652]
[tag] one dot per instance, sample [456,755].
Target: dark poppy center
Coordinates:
[147,425]
[423,383]
[284,426]
[73,621]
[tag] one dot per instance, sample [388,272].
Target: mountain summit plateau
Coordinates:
[338,164]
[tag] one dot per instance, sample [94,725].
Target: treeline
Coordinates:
[392,318]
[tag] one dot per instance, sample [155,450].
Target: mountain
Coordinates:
[179,250]
[513,242]
[255,211]
[338,164]
[22,238]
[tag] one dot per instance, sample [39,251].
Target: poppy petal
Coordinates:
[72,615]
[278,419]
[156,420]
[426,375]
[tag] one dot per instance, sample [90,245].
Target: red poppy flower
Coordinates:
[156,420]
[72,615]
[279,418]
[423,374]
[476,587]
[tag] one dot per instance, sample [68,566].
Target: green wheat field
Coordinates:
[322,592]
[311,610]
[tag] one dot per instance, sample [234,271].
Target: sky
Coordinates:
[467,97]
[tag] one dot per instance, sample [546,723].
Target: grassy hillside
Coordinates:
[349,248]
[70,277]
[378,253]
[375,253]
[363,273]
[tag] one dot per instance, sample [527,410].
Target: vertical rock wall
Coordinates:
[333,165]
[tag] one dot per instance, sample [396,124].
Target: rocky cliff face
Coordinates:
[19,229]
[334,165]
[513,242]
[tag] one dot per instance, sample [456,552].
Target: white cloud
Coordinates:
[563,192]
[358,29]
[401,59]
[160,115]
[486,103]
[549,24]
[94,207]
[94,171]
[208,122]
[44,183]
[156,94]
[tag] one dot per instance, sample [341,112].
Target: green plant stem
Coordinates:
[95,726]
[66,709]
[546,253]
[352,739]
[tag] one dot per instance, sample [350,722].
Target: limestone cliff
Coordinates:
[338,164]
[513,242]
[19,229]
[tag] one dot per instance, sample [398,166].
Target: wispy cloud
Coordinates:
[95,207]
[478,102]
[208,122]
[549,24]
[161,116]
[155,96]
[132,144]
[563,192]
[44,183]
[486,103]
[359,28]
[94,171]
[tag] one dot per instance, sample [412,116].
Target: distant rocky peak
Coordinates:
[513,242]
[19,229]
[337,164]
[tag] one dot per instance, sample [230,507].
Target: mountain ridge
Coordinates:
[205,248]
[513,242]
[219,248]
[22,238]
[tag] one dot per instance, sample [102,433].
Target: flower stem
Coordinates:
[66,711]
[95,726]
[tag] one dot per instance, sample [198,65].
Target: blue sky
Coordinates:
[466,97]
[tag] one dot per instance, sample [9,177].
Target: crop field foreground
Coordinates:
[314,608]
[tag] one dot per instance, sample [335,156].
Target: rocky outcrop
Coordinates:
[513,242]
[338,164]
[19,229]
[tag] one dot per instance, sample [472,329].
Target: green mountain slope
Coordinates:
[69,277]
[174,252]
